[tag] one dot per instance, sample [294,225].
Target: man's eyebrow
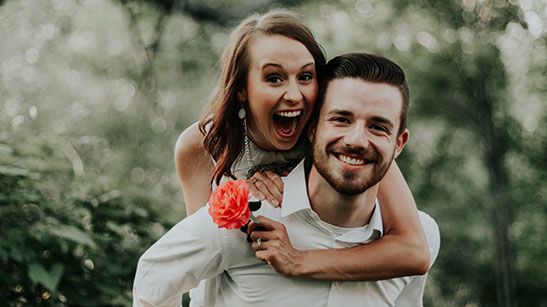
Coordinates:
[340,112]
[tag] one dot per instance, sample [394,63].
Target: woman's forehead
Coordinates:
[278,50]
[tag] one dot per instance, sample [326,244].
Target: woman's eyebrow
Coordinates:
[281,66]
[272,64]
[306,65]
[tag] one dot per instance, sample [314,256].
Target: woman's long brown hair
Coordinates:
[221,125]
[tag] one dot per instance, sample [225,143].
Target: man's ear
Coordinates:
[311,131]
[402,139]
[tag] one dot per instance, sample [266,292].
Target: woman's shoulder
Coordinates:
[190,142]
[190,153]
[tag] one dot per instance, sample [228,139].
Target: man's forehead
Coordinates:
[353,94]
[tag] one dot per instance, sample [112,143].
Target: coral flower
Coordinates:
[229,204]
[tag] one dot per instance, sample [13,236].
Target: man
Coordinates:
[327,203]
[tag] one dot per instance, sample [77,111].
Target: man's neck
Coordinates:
[338,209]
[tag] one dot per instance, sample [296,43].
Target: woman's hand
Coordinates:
[267,185]
[271,244]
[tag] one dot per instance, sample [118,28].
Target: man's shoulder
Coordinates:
[432,234]
[233,243]
[201,222]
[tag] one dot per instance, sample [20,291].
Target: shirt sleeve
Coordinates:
[189,252]
[412,294]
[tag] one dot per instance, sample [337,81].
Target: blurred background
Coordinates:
[93,94]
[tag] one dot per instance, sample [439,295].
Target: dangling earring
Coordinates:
[242,115]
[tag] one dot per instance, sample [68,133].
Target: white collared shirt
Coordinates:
[196,249]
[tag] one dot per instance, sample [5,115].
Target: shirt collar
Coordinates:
[376,222]
[295,191]
[295,198]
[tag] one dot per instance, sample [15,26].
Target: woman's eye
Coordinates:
[273,79]
[306,77]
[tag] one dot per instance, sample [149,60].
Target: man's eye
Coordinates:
[273,79]
[379,128]
[340,120]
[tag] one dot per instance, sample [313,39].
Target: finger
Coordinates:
[263,255]
[276,180]
[256,226]
[252,187]
[260,247]
[268,188]
[264,223]
[268,221]
[265,236]
[271,185]
[277,193]
[261,234]
[255,192]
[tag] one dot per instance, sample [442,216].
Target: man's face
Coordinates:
[356,135]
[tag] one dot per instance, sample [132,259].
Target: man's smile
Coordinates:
[351,161]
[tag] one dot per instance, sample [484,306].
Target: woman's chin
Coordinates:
[284,142]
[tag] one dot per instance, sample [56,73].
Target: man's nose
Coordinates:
[357,137]
[293,93]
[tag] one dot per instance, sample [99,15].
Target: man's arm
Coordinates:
[178,261]
[402,251]
[412,294]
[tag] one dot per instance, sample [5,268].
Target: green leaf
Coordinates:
[5,150]
[115,228]
[17,253]
[12,171]
[4,198]
[74,234]
[50,279]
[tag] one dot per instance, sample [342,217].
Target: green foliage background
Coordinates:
[93,94]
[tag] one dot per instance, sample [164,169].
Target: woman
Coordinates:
[266,93]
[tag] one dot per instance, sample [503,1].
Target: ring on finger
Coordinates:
[259,242]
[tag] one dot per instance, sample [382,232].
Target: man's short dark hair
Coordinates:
[367,67]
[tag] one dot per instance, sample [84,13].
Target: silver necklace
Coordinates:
[250,165]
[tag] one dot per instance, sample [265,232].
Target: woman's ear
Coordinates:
[242,95]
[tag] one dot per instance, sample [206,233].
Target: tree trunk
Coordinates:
[499,206]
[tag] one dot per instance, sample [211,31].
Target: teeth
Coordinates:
[289,114]
[351,161]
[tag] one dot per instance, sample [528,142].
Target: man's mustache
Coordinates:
[369,155]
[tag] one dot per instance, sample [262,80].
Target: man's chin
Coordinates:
[349,190]
[349,186]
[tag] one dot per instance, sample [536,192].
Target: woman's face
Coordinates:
[281,89]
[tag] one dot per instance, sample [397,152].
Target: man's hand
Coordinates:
[267,185]
[271,244]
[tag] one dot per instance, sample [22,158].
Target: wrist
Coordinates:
[301,264]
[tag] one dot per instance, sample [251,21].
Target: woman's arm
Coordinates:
[194,168]
[402,251]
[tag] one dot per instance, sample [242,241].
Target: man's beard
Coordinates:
[347,182]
